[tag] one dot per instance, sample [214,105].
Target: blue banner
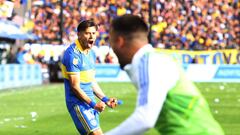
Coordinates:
[228,72]
[110,73]
[18,75]
[195,72]
[107,70]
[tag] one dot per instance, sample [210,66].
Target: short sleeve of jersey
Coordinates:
[71,61]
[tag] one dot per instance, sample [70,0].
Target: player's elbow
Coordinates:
[146,126]
[149,124]
[74,89]
[147,121]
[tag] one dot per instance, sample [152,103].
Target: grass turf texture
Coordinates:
[41,110]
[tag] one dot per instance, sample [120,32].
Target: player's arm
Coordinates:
[74,82]
[97,90]
[150,98]
[110,102]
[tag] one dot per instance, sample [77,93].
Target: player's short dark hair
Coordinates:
[83,25]
[128,24]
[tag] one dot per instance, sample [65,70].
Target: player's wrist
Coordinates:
[105,99]
[92,104]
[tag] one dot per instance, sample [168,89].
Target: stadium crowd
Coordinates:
[177,24]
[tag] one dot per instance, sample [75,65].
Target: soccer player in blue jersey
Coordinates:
[78,68]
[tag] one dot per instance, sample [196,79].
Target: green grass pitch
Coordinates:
[41,110]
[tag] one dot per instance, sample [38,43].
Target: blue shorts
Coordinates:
[85,118]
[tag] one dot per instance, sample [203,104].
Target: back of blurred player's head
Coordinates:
[129,26]
[83,25]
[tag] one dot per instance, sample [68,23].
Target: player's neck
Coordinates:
[86,51]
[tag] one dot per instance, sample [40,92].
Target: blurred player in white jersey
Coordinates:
[166,100]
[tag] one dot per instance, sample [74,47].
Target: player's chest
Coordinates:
[86,62]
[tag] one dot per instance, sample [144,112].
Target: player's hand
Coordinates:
[112,102]
[100,106]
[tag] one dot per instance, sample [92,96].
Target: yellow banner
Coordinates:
[231,56]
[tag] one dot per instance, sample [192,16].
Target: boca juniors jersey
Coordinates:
[76,61]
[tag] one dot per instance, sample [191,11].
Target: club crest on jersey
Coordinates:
[75,61]
[93,122]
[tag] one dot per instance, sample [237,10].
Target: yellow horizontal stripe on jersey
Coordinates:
[87,76]
[64,72]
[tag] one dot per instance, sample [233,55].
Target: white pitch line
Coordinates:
[7,119]
[20,126]
[19,118]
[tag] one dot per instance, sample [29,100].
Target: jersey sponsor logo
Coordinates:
[75,61]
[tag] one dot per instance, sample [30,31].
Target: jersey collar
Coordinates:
[138,55]
[79,46]
[141,52]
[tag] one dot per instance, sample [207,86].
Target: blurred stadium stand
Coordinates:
[177,24]
[13,31]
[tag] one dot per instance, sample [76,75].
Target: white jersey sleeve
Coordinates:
[155,75]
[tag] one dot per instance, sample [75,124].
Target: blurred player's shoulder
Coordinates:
[165,62]
[72,48]
[159,56]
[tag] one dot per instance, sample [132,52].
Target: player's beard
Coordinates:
[84,42]
[124,58]
[122,62]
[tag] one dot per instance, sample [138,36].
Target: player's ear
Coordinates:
[78,34]
[120,41]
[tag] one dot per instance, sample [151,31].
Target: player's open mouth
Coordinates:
[90,42]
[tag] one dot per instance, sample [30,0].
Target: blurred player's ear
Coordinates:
[78,34]
[121,41]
